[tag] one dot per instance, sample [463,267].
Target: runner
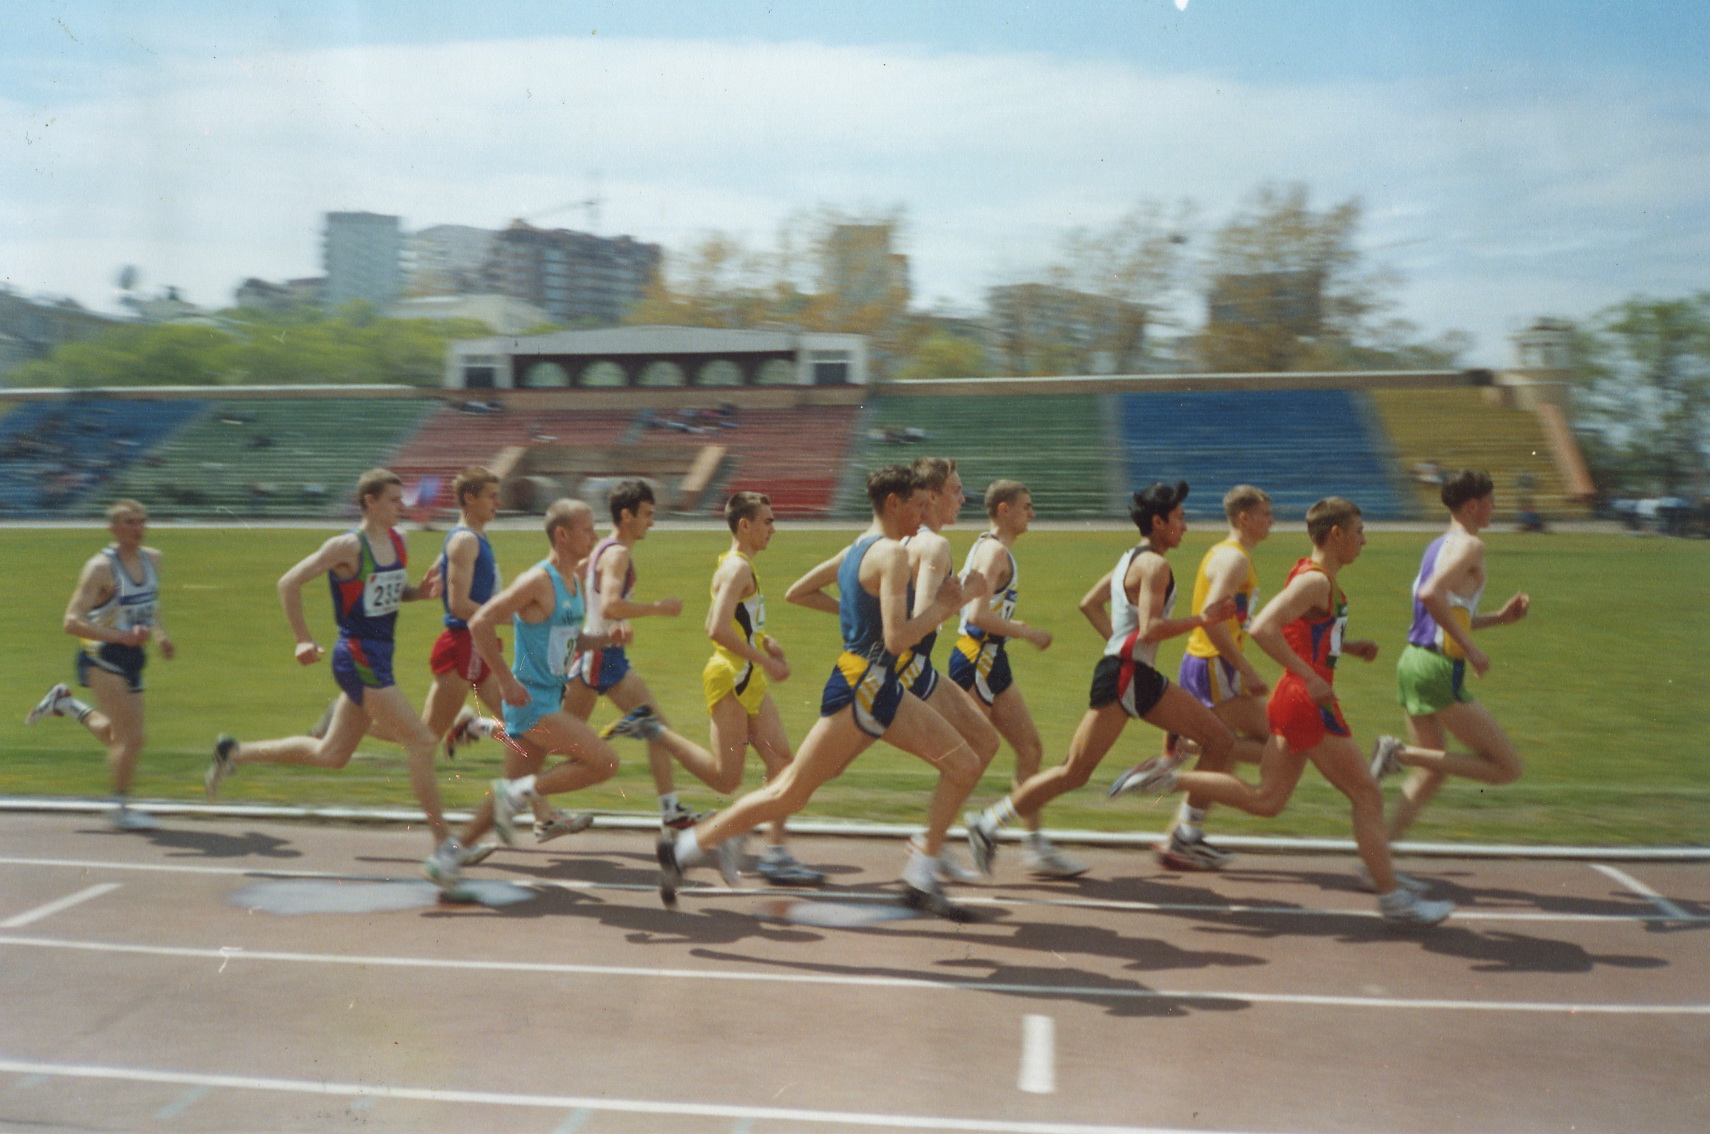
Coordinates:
[367,572]
[115,610]
[1141,594]
[1215,668]
[864,700]
[545,607]
[608,587]
[1433,666]
[1303,628]
[979,663]
[744,658]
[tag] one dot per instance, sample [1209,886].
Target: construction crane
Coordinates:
[591,205]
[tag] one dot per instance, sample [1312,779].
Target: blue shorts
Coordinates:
[1212,681]
[110,657]
[360,664]
[542,699]
[981,667]
[918,676]
[599,670]
[871,688]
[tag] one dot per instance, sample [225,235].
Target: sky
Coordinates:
[1512,159]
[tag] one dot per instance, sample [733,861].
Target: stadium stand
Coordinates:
[450,438]
[1054,443]
[1298,445]
[57,455]
[272,457]
[794,455]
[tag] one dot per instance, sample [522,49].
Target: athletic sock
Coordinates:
[521,789]
[689,851]
[1002,813]
[1188,822]
[921,872]
[483,727]
[69,706]
[668,803]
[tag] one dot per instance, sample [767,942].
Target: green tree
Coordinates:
[945,355]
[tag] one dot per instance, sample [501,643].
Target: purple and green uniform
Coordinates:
[1431,673]
[366,609]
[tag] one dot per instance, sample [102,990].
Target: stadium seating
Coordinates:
[63,455]
[796,456]
[450,439]
[1298,445]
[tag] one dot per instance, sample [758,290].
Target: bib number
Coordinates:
[1337,629]
[561,649]
[384,592]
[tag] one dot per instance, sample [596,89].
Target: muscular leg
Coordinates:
[390,707]
[1346,767]
[445,698]
[921,732]
[1493,760]
[333,750]
[730,733]
[588,761]
[120,725]
[1279,773]
[1094,737]
[962,711]
[766,733]
[1015,724]
[632,693]
[828,748]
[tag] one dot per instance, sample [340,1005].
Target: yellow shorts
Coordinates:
[722,679]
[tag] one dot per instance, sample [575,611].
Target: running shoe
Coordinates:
[1043,859]
[504,811]
[48,705]
[459,736]
[480,852]
[562,823]
[1157,775]
[680,818]
[781,868]
[1407,908]
[445,865]
[982,841]
[320,727]
[1409,882]
[1191,854]
[728,856]
[951,868]
[1386,757]
[221,766]
[127,818]
[670,871]
[640,722]
[934,902]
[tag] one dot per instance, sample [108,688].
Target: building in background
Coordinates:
[504,314]
[1044,329]
[269,296]
[364,254]
[447,259]
[577,278]
[32,328]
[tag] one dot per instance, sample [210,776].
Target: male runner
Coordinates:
[1433,667]
[1303,629]
[864,700]
[736,676]
[979,662]
[545,607]
[1215,668]
[115,610]
[1141,593]
[366,569]
[608,586]
[469,576]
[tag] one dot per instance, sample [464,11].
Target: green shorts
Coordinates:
[1428,682]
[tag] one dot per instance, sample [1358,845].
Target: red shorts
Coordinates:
[454,652]
[1300,720]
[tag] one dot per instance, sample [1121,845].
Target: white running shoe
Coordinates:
[982,841]
[1155,776]
[1404,906]
[127,818]
[480,852]
[1386,757]
[781,868]
[1192,854]
[444,867]
[48,705]
[1409,882]
[504,811]
[1043,859]
[562,823]
[459,735]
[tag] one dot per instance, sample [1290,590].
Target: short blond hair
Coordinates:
[560,512]
[471,481]
[119,509]
[373,482]
[1243,498]
[934,472]
[1328,514]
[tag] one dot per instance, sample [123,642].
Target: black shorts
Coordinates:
[1134,685]
[121,661]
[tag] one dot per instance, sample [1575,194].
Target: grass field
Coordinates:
[1603,687]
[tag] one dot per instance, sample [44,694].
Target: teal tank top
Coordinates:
[544,649]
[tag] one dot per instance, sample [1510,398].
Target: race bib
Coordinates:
[561,649]
[135,612]
[1337,629]
[385,590]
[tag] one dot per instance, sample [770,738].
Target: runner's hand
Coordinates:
[308,653]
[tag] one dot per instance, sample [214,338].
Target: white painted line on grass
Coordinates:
[995,900]
[1038,1055]
[65,903]
[559,1102]
[1621,877]
[233,955]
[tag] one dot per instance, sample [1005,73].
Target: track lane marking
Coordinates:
[230,954]
[1622,878]
[30,916]
[1038,1055]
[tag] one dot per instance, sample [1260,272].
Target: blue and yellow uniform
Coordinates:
[544,654]
[1204,672]
[366,609]
[865,677]
[132,605]
[979,662]
[917,674]
[727,674]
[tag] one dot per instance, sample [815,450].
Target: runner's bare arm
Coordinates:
[340,554]
[1095,605]
[809,590]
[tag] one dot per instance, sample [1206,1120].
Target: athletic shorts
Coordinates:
[1300,720]
[1134,685]
[360,664]
[123,661]
[599,670]
[918,676]
[981,667]
[720,680]
[1428,681]
[1212,681]
[871,688]
[542,699]
[454,652]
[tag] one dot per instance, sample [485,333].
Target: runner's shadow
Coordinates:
[1122,998]
[1500,951]
[212,844]
[643,925]
[1058,939]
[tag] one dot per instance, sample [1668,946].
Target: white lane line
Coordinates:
[999,901]
[1038,1055]
[65,903]
[558,1102]
[229,954]
[1622,878]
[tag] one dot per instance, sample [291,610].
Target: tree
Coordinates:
[1643,366]
[942,354]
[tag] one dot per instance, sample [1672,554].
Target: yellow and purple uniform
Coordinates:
[1204,672]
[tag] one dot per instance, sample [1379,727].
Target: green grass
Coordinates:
[1603,687]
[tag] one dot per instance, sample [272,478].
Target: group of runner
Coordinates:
[571,616]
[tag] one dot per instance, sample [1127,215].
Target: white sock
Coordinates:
[920,872]
[689,850]
[1002,813]
[668,803]
[483,727]
[69,706]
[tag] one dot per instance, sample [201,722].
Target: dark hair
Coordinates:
[628,496]
[892,480]
[1155,500]
[744,506]
[1468,484]
[471,481]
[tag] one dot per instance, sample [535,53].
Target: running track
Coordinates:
[136,993]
